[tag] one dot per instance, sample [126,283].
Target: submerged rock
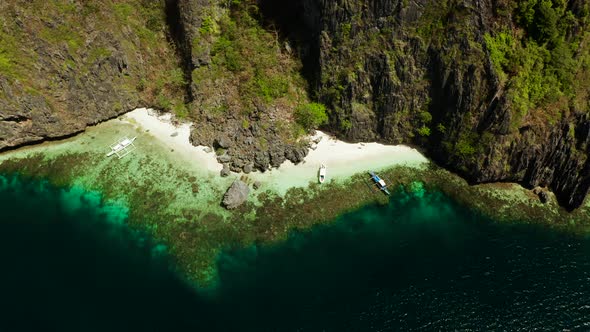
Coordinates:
[236,195]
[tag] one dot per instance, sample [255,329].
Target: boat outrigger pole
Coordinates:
[122,147]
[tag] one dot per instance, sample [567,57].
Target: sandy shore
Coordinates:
[175,137]
[341,159]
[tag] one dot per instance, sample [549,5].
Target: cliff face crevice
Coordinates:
[181,39]
[421,72]
[299,23]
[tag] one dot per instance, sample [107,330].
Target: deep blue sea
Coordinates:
[70,263]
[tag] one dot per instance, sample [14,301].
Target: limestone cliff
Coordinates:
[244,87]
[482,85]
[68,64]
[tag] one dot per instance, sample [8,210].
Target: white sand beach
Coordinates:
[175,137]
[341,159]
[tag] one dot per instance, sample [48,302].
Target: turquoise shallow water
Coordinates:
[69,263]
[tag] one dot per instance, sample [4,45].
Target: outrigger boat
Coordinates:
[322,176]
[379,182]
[122,147]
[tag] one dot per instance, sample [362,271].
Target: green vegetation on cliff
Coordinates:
[41,42]
[249,67]
[543,60]
[311,116]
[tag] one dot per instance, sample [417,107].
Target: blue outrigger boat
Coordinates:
[379,182]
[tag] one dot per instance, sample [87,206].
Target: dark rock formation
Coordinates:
[260,148]
[542,193]
[191,15]
[32,117]
[236,195]
[224,158]
[296,154]
[420,72]
[222,142]
[261,161]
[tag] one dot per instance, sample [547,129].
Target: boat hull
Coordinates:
[322,174]
[379,182]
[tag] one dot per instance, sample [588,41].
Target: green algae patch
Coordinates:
[163,191]
[507,202]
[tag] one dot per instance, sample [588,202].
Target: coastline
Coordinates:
[342,159]
[173,189]
[160,127]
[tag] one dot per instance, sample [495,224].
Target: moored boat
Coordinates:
[379,182]
[322,175]
[122,147]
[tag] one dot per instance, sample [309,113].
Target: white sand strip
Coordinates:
[175,137]
[341,159]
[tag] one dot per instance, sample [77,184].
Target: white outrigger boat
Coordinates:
[322,176]
[122,147]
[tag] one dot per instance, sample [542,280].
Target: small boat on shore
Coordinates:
[122,147]
[379,182]
[322,173]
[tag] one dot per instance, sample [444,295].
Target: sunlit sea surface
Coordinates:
[70,263]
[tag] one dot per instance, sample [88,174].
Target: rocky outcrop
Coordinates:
[195,48]
[62,70]
[236,195]
[225,171]
[31,117]
[543,194]
[247,144]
